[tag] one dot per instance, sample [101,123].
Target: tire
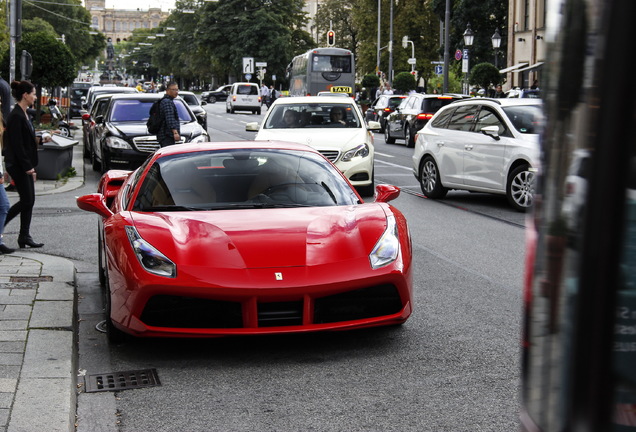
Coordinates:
[258,111]
[227,109]
[430,180]
[369,190]
[520,188]
[96,165]
[231,110]
[211,99]
[114,335]
[105,165]
[387,136]
[66,131]
[101,266]
[409,138]
[382,125]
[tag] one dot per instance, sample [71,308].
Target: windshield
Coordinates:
[527,119]
[190,99]
[242,179]
[290,116]
[135,110]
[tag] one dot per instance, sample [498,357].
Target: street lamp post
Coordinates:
[469,36]
[496,43]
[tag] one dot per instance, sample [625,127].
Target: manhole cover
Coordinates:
[117,381]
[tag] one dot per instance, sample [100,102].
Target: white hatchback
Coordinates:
[243,97]
[332,125]
[481,145]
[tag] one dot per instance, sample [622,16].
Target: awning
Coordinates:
[511,68]
[534,66]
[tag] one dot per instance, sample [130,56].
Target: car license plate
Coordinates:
[341,89]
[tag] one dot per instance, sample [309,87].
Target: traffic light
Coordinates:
[379,74]
[331,38]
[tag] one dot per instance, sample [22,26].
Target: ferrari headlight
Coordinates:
[117,143]
[150,258]
[386,249]
[360,151]
[200,139]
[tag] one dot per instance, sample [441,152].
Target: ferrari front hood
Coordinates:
[264,238]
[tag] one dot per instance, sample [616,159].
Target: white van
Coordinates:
[244,97]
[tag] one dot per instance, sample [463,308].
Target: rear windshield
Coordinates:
[432,105]
[247,90]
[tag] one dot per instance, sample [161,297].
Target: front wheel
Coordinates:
[387,136]
[430,179]
[65,131]
[520,188]
[211,99]
[409,139]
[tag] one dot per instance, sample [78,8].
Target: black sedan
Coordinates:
[412,114]
[219,94]
[382,107]
[122,140]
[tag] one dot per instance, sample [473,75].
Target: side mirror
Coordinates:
[99,119]
[491,131]
[203,103]
[252,127]
[95,203]
[374,126]
[385,193]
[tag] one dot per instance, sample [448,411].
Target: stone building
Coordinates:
[118,24]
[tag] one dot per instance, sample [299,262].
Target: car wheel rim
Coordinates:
[522,188]
[429,176]
[407,135]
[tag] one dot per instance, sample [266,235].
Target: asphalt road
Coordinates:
[454,366]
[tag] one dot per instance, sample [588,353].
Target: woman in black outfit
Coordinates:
[21,157]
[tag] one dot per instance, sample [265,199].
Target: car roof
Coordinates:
[102,89]
[314,100]
[501,101]
[137,96]
[235,145]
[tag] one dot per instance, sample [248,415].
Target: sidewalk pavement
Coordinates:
[38,328]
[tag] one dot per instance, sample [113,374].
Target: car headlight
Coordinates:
[386,249]
[150,258]
[199,139]
[117,143]
[360,151]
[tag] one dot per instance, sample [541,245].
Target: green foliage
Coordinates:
[484,75]
[437,83]
[370,81]
[404,82]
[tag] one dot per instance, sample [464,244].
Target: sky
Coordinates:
[141,4]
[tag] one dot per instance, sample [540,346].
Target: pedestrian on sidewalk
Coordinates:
[170,130]
[20,151]
[4,199]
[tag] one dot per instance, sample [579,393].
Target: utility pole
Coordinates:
[391,46]
[377,64]
[15,32]
[446,45]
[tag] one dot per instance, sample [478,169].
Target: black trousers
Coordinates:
[166,141]
[24,207]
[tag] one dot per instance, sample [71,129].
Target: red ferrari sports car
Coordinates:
[235,238]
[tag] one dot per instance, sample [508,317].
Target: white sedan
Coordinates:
[332,125]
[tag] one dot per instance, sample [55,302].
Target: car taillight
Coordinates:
[424,116]
[233,98]
[388,110]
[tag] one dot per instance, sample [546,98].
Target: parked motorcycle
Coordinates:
[57,120]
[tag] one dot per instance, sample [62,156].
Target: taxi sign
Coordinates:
[340,89]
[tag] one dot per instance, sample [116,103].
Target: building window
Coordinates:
[526,15]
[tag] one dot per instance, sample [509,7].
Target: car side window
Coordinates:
[412,102]
[463,118]
[441,120]
[488,117]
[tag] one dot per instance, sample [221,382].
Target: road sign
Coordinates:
[248,65]
[439,69]
[458,55]
[248,76]
[412,61]
[261,64]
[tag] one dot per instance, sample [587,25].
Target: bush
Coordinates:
[404,82]
[484,75]
[370,81]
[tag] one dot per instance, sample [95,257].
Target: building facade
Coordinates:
[118,24]
[526,43]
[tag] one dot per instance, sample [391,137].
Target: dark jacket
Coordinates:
[170,118]
[19,146]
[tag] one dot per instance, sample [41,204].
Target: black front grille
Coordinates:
[364,303]
[280,314]
[332,155]
[188,312]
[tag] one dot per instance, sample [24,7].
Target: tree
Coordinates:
[404,82]
[370,83]
[484,75]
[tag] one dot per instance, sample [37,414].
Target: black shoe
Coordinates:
[28,241]
[6,250]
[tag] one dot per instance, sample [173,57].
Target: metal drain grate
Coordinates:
[117,381]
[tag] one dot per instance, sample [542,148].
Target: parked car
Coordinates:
[76,92]
[122,139]
[220,94]
[347,142]
[196,107]
[94,91]
[88,122]
[523,93]
[412,114]
[246,238]
[481,145]
[382,107]
[244,97]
